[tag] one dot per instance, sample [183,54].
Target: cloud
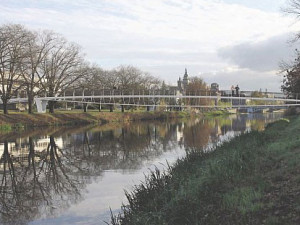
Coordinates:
[260,56]
[246,79]
[209,22]
[265,5]
[161,36]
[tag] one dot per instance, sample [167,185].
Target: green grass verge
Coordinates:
[253,179]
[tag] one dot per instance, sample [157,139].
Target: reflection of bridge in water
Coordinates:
[170,100]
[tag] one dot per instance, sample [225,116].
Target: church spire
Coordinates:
[185,74]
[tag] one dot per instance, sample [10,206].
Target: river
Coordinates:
[76,175]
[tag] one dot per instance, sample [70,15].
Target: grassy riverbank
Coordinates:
[253,179]
[217,113]
[20,120]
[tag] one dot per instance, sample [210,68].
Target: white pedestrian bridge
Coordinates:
[155,98]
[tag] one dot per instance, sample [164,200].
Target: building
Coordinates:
[18,90]
[214,87]
[182,84]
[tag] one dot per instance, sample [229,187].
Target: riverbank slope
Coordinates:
[253,179]
[16,120]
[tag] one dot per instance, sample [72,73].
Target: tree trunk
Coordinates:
[30,104]
[30,98]
[122,108]
[51,106]
[111,108]
[84,107]
[4,102]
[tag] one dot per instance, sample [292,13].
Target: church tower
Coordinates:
[179,84]
[185,80]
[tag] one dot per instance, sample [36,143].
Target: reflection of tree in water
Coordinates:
[252,121]
[208,131]
[126,148]
[36,185]
[43,182]
[196,135]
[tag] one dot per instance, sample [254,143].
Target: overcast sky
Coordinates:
[224,41]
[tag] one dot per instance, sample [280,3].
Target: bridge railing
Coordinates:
[152,95]
[111,95]
[168,92]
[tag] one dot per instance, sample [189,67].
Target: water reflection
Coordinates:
[44,173]
[36,178]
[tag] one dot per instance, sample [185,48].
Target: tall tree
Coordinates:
[293,8]
[131,78]
[197,86]
[150,82]
[13,41]
[60,68]
[291,78]
[37,49]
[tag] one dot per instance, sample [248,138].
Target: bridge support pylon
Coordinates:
[41,105]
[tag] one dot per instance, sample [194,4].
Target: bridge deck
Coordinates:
[192,101]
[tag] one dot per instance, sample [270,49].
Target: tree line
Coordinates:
[44,63]
[291,70]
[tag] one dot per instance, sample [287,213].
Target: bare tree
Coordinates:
[60,68]
[13,40]
[110,80]
[132,78]
[129,77]
[123,78]
[93,78]
[291,77]
[197,86]
[150,82]
[293,8]
[37,49]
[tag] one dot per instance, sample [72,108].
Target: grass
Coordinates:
[243,199]
[253,179]
[18,126]
[5,127]
[217,113]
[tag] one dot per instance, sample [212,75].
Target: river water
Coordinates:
[76,175]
